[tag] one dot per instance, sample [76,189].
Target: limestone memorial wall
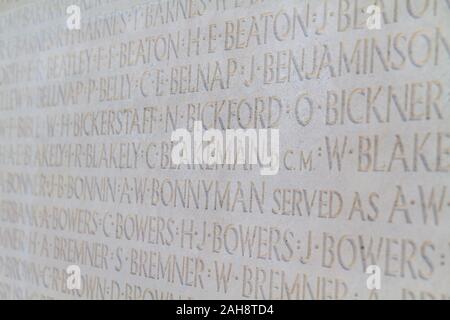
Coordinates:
[225,149]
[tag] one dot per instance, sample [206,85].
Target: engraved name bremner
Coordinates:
[237,146]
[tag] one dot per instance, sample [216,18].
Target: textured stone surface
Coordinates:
[86,118]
